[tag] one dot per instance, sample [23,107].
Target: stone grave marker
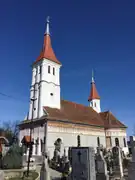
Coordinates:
[83,163]
[1,175]
[120,163]
[101,166]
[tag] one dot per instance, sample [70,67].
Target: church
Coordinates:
[65,119]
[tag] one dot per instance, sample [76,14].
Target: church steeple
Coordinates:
[47,50]
[45,86]
[94,98]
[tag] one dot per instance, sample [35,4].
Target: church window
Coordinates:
[124,140]
[42,145]
[98,141]
[116,141]
[49,69]
[53,71]
[78,141]
[40,69]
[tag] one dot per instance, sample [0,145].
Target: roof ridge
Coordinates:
[77,103]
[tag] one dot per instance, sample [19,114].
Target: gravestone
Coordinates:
[44,172]
[101,166]
[1,175]
[120,163]
[131,169]
[83,163]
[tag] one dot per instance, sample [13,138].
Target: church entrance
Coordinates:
[108,142]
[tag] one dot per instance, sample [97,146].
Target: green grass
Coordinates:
[32,176]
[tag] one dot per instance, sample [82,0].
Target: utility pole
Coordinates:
[31,128]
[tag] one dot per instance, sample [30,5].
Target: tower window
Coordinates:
[49,69]
[40,69]
[116,141]
[124,140]
[53,71]
[98,141]
[51,94]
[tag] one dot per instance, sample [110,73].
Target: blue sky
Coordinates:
[85,34]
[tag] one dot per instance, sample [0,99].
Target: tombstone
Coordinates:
[44,172]
[131,169]
[83,163]
[120,164]
[101,166]
[1,175]
[109,159]
[117,161]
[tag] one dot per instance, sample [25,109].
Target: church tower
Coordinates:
[45,86]
[94,98]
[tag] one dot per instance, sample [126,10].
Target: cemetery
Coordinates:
[79,163]
[87,164]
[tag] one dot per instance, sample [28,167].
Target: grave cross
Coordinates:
[79,155]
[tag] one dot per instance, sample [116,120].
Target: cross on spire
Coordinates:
[47,32]
[92,76]
[47,50]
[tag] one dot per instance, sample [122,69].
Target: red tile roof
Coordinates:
[110,121]
[47,51]
[93,93]
[76,113]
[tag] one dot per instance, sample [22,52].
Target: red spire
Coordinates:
[93,93]
[47,51]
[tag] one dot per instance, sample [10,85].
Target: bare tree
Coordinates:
[11,131]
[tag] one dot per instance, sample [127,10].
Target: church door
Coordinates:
[108,142]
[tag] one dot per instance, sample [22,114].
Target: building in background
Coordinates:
[66,120]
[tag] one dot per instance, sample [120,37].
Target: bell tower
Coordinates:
[45,86]
[94,98]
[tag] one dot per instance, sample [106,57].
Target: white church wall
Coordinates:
[120,134]
[69,137]
[70,140]
[49,86]
[95,104]
[50,95]
[46,86]
[49,77]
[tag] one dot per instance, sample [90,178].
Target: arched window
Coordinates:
[95,105]
[98,141]
[42,145]
[116,141]
[53,71]
[124,140]
[49,69]
[78,141]
[40,69]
